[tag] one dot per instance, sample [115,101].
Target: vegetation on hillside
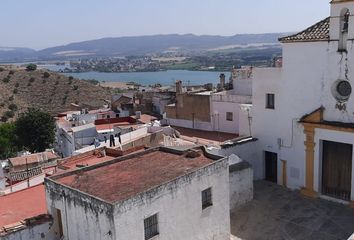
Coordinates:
[52,92]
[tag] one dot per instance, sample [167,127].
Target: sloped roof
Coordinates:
[317,32]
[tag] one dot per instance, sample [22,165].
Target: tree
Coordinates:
[35,130]
[31,67]
[7,140]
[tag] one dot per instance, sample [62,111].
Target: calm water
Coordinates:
[150,78]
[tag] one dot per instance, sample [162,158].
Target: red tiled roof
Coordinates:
[124,179]
[317,32]
[16,207]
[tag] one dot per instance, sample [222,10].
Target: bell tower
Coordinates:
[342,22]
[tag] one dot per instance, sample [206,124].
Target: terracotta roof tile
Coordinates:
[21,205]
[317,32]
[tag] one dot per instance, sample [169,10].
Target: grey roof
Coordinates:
[317,32]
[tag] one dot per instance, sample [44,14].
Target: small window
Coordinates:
[229,116]
[207,200]
[270,101]
[151,227]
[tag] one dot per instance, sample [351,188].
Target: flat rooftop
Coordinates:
[119,180]
[17,207]
[204,137]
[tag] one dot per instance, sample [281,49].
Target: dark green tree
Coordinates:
[7,140]
[35,130]
[31,67]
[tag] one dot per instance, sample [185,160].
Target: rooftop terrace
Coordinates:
[123,178]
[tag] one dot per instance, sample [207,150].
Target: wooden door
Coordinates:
[337,169]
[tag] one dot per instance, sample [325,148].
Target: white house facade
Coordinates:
[303,113]
[160,194]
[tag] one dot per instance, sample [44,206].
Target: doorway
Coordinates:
[337,169]
[271,167]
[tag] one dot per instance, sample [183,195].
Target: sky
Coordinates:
[40,24]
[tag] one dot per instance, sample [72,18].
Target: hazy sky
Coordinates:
[45,23]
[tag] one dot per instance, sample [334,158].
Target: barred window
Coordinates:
[151,227]
[206,198]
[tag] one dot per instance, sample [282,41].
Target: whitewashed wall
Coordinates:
[83,217]
[206,126]
[241,184]
[43,231]
[178,205]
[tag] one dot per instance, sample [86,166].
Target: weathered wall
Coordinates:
[83,217]
[43,231]
[247,152]
[241,184]
[179,209]
[190,107]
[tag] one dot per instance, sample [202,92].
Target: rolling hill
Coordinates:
[141,45]
[20,89]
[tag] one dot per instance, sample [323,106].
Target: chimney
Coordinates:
[222,81]
[178,87]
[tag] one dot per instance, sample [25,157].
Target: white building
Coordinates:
[303,112]
[221,111]
[227,110]
[157,194]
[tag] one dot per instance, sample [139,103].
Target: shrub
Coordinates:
[12,72]
[13,107]
[11,98]
[56,82]
[71,80]
[32,79]
[46,74]
[29,84]
[9,114]
[2,104]
[4,118]
[76,87]
[2,69]
[17,85]
[31,67]
[6,79]
[15,91]
[44,81]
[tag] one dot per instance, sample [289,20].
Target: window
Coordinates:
[270,101]
[151,227]
[206,198]
[229,116]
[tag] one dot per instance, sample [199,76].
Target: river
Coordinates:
[165,78]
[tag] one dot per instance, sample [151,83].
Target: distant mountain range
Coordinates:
[142,45]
